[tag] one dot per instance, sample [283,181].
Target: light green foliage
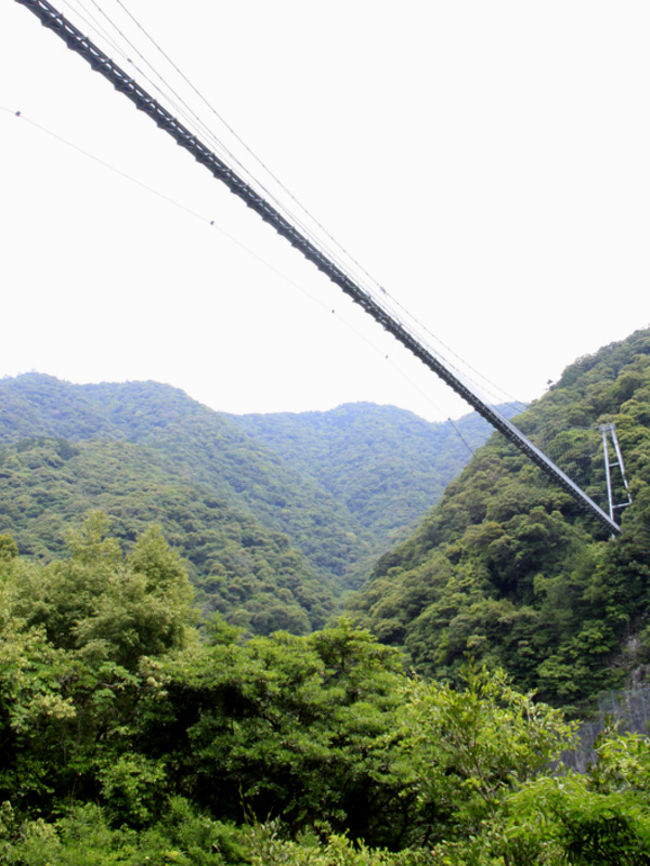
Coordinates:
[476,744]
[145,607]
[132,787]
[73,645]
[269,848]
[8,549]
[84,838]
[591,820]
[108,607]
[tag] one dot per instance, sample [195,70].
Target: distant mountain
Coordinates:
[195,443]
[508,569]
[272,534]
[386,465]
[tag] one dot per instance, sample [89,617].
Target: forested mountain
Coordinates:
[250,574]
[130,736]
[386,465]
[189,441]
[506,567]
[269,540]
[340,484]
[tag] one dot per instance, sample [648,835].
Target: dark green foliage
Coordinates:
[128,736]
[509,569]
[300,728]
[107,695]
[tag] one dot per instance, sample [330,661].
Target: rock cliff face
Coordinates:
[625,710]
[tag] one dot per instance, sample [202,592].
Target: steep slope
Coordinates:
[508,569]
[251,575]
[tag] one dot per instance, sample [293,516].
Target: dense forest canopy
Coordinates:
[506,566]
[247,572]
[385,464]
[193,445]
[128,736]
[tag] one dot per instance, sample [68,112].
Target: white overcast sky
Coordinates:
[487,162]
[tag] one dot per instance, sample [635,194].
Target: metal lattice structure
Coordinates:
[143,101]
[609,430]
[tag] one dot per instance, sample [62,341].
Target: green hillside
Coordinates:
[268,543]
[343,486]
[251,575]
[386,465]
[190,441]
[507,569]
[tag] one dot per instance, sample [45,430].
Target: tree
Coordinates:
[474,745]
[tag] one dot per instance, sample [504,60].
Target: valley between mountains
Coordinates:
[346,637]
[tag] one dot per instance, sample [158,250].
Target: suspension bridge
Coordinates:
[372,302]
